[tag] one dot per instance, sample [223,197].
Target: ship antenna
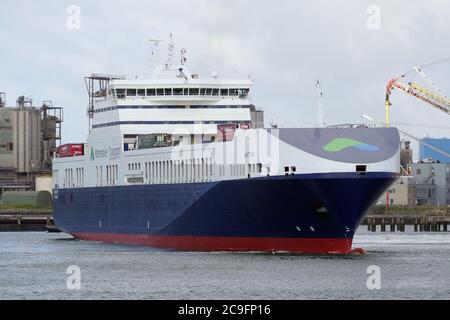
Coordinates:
[183,56]
[155,51]
[320,102]
[170,49]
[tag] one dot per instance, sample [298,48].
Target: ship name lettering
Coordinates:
[113,152]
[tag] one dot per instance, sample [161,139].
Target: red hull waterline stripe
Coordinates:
[201,243]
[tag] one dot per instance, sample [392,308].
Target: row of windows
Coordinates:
[112,175]
[237,170]
[73,179]
[134,166]
[7,146]
[151,92]
[118,123]
[174,107]
[196,170]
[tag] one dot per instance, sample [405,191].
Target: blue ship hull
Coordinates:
[310,213]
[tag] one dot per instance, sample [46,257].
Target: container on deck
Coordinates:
[70,150]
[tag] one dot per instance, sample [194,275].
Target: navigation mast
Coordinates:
[320,103]
[170,50]
[155,51]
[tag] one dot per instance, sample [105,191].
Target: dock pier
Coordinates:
[25,219]
[398,223]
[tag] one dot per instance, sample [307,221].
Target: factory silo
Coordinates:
[27,139]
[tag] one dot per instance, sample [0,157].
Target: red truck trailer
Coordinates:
[70,150]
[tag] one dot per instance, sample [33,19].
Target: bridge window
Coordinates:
[120,93]
[208,91]
[177,91]
[243,93]
[233,92]
[202,91]
[193,91]
[168,91]
[223,92]
[131,92]
[215,92]
[141,92]
[259,167]
[151,92]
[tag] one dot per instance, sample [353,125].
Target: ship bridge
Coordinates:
[180,105]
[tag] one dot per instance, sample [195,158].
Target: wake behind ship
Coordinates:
[182,162]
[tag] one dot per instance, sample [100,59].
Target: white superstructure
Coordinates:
[180,128]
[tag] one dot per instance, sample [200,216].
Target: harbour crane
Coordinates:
[433,96]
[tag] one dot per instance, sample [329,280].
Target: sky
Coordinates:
[353,47]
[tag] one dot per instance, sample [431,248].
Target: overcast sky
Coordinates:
[283,45]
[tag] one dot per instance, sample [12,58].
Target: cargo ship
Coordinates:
[183,162]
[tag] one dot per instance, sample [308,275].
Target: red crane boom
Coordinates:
[432,97]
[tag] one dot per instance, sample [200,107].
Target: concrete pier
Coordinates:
[398,223]
[25,219]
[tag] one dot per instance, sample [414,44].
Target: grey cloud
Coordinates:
[284,45]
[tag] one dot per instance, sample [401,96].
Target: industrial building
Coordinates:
[432,181]
[426,152]
[406,155]
[424,183]
[403,191]
[29,136]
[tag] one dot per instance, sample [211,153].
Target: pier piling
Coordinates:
[419,222]
[25,219]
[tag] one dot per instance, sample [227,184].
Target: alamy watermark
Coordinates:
[73,281]
[374,279]
[73,21]
[374,19]
[247,146]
